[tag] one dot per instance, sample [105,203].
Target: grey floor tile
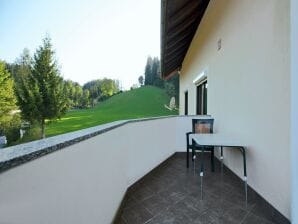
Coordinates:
[142,193]
[136,214]
[207,217]
[234,215]
[129,202]
[121,221]
[253,219]
[171,194]
[183,208]
[169,217]
[156,204]
[238,199]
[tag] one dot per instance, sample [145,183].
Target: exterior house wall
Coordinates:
[248,87]
[294,110]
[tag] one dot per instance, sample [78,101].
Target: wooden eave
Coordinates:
[179,22]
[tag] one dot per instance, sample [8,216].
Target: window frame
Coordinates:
[186,102]
[202,97]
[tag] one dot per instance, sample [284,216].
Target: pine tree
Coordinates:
[152,73]
[157,81]
[148,72]
[7,96]
[21,70]
[41,93]
[141,80]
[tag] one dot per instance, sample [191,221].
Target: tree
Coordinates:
[85,100]
[41,96]
[152,73]
[22,65]
[148,72]
[7,98]
[21,71]
[78,94]
[73,91]
[157,81]
[141,80]
[153,77]
[25,58]
[172,87]
[101,89]
[108,87]
[93,87]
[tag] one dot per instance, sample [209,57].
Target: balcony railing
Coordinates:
[86,173]
[82,177]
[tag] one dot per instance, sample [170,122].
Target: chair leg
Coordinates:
[187,157]
[212,160]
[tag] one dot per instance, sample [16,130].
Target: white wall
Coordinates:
[184,125]
[248,87]
[85,182]
[294,101]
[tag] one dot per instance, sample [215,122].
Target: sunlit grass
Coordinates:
[143,102]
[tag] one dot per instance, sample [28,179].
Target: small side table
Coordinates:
[222,141]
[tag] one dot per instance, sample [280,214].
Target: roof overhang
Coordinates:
[179,22]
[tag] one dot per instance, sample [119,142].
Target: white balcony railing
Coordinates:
[86,181]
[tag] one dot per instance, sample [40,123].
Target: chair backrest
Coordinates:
[202,126]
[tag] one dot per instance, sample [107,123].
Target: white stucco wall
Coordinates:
[248,87]
[85,182]
[294,111]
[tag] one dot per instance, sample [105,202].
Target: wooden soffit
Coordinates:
[179,22]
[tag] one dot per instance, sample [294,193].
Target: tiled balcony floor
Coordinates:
[171,194]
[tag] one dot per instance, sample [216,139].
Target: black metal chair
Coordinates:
[199,126]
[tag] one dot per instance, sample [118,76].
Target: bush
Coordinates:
[11,128]
[31,134]
[170,89]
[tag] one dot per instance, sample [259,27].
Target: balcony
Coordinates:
[123,172]
[171,194]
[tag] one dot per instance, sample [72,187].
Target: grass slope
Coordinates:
[147,101]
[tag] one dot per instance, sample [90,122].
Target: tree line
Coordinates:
[33,90]
[35,87]
[152,76]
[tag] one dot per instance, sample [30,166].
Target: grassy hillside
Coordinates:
[138,103]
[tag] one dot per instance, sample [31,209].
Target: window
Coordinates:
[186,103]
[202,98]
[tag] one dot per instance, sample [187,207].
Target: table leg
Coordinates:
[221,160]
[187,149]
[194,162]
[212,160]
[244,171]
[202,172]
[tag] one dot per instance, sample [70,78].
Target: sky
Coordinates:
[92,38]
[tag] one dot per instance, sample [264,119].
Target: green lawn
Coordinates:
[138,103]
